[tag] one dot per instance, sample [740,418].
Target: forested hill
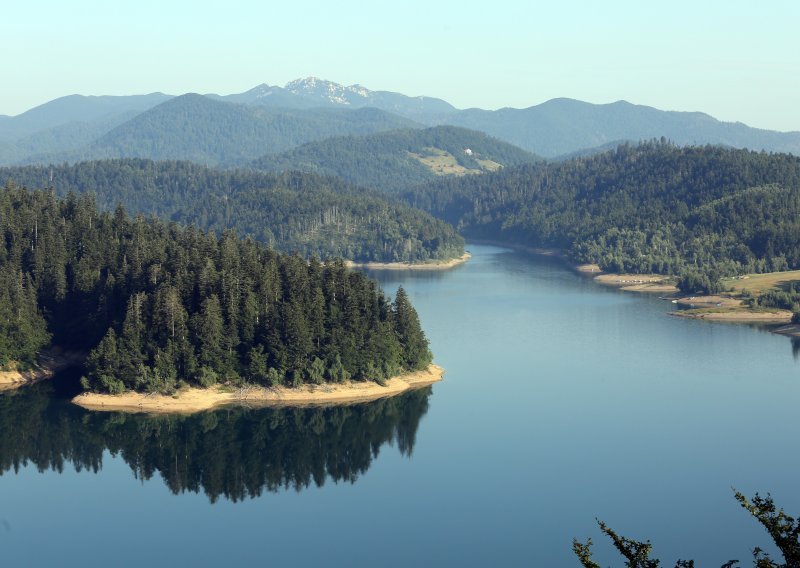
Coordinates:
[212,132]
[159,304]
[400,159]
[563,126]
[292,212]
[654,207]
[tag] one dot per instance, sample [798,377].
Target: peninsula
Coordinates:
[428,265]
[163,309]
[193,399]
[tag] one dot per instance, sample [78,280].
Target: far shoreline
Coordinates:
[191,400]
[711,308]
[428,265]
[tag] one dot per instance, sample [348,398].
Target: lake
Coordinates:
[563,401]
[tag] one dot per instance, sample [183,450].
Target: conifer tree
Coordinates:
[416,354]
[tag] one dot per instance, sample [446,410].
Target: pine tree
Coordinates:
[415,352]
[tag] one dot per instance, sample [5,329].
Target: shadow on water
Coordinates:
[235,453]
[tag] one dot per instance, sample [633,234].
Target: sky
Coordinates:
[736,60]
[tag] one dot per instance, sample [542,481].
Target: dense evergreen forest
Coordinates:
[399,159]
[698,212]
[235,453]
[291,212]
[160,304]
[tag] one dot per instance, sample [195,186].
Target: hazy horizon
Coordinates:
[733,60]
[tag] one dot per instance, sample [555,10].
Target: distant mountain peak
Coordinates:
[314,86]
[261,91]
[328,90]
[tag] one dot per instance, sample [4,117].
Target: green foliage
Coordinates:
[23,330]
[384,160]
[413,343]
[649,208]
[788,299]
[292,212]
[783,529]
[159,304]
[694,281]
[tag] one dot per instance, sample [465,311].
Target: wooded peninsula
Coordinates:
[160,306]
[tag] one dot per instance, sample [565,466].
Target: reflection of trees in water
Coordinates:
[796,347]
[235,452]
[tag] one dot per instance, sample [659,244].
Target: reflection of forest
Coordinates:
[234,452]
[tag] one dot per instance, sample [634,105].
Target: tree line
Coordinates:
[291,212]
[696,212]
[159,305]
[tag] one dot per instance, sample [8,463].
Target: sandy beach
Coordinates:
[736,315]
[50,362]
[192,399]
[431,265]
[655,283]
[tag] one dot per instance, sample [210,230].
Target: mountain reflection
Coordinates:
[236,453]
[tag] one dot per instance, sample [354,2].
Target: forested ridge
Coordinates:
[160,305]
[198,128]
[291,212]
[391,161]
[699,212]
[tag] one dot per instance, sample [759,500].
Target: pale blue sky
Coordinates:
[736,60]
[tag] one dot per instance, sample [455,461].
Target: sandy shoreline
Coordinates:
[50,362]
[737,315]
[430,265]
[191,400]
[720,308]
[656,283]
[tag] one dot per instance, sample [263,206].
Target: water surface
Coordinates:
[563,401]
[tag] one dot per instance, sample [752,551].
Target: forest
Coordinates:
[159,305]
[292,212]
[390,161]
[697,212]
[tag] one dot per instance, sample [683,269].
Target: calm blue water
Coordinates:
[563,401]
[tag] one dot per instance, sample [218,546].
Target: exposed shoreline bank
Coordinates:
[717,308]
[191,400]
[652,283]
[737,315]
[430,265]
[50,362]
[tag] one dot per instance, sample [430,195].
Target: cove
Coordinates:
[563,401]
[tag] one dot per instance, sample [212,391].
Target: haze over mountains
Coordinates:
[234,129]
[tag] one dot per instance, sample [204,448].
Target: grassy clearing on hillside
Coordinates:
[489,165]
[441,163]
[759,283]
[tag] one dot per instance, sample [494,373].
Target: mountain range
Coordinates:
[234,129]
